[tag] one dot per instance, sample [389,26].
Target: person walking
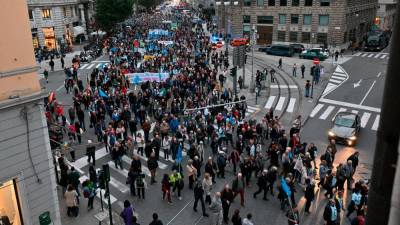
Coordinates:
[280,63]
[166,188]
[207,187]
[117,153]
[303,70]
[91,152]
[262,185]
[192,173]
[238,186]
[62,62]
[307,88]
[355,203]
[330,213]
[293,216]
[152,164]
[127,213]
[141,186]
[155,221]
[89,192]
[247,220]
[46,75]
[294,71]
[272,72]
[73,179]
[309,195]
[166,145]
[236,219]
[175,179]
[51,64]
[226,199]
[199,196]
[216,210]
[70,197]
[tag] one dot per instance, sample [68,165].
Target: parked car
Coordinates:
[280,50]
[345,129]
[264,48]
[298,48]
[308,54]
[322,51]
[239,41]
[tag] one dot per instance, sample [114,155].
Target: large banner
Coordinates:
[137,78]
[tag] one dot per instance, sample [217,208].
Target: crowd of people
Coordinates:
[192,110]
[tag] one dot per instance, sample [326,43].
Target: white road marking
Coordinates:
[369,90]
[335,81]
[316,110]
[379,74]
[127,160]
[161,165]
[270,102]
[364,119]
[84,66]
[338,77]
[123,172]
[365,54]
[339,111]
[252,108]
[99,65]
[370,55]
[354,111]
[119,186]
[327,112]
[350,105]
[357,54]
[377,55]
[279,106]
[105,200]
[91,65]
[82,162]
[59,88]
[383,56]
[291,105]
[339,74]
[179,212]
[283,86]
[329,88]
[376,122]
[339,70]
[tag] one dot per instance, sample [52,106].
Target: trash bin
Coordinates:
[44,218]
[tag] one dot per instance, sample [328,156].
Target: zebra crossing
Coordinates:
[375,55]
[328,112]
[94,64]
[338,78]
[280,103]
[251,110]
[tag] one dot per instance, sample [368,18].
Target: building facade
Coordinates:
[333,23]
[386,14]
[27,180]
[57,24]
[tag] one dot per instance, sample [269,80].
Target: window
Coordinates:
[322,38]
[307,19]
[293,36]
[10,204]
[247,3]
[260,2]
[246,19]
[305,37]
[323,20]
[65,12]
[281,35]
[283,2]
[46,13]
[265,19]
[325,2]
[295,2]
[30,12]
[308,2]
[271,2]
[282,18]
[294,19]
[246,30]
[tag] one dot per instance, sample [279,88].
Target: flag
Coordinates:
[52,95]
[103,94]
[179,155]
[285,187]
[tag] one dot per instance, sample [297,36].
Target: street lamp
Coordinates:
[253,40]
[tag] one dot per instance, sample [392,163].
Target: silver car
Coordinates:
[345,129]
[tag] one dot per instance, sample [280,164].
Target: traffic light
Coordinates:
[106,171]
[233,71]
[101,180]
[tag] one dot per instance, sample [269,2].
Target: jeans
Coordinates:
[118,162]
[307,92]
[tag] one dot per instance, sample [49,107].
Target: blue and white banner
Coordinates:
[137,78]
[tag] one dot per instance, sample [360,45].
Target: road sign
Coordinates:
[316,61]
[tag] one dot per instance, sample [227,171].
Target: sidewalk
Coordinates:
[85,216]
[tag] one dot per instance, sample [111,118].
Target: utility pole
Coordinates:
[106,174]
[387,146]
[253,39]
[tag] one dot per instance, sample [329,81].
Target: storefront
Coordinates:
[35,38]
[49,37]
[10,206]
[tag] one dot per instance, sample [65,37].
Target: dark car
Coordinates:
[264,48]
[280,50]
[345,129]
[308,54]
[297,48]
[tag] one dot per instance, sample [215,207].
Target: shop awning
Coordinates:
[78,30]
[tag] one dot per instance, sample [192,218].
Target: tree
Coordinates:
[148,3]
[111,12]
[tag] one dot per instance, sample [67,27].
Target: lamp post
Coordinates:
[254,32]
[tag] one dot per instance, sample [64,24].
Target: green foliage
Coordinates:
[148,3]
[111,12]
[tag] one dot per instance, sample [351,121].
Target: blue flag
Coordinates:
[103,94]
[179,155]
[285,187]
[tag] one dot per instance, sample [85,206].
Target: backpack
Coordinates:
[86,192]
